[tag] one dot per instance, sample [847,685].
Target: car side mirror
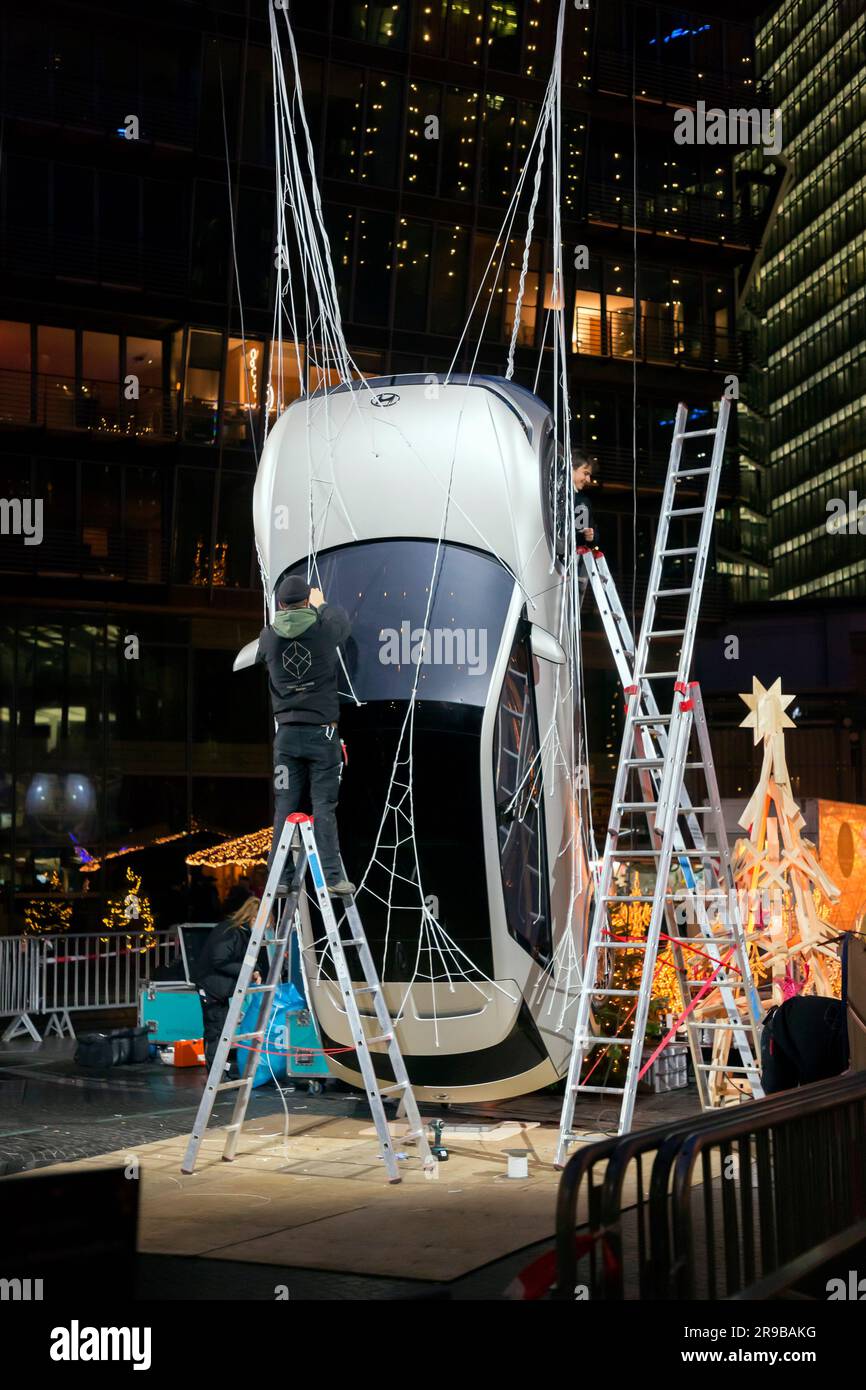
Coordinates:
[246,656]
[545,645]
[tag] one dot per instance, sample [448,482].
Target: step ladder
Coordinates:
[298,833]
[655,755]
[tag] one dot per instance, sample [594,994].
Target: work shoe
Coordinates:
[341,889]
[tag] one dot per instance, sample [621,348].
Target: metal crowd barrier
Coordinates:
[61,975]
[718,1203]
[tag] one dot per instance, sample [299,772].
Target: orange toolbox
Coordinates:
[189,1053]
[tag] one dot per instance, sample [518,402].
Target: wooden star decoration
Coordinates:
[767,710]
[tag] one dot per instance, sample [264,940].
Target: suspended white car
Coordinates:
[458,823]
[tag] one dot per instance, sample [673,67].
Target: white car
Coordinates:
[472,884]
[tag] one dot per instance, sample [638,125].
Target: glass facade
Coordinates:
[806,435]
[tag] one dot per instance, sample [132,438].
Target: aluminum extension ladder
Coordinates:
[308,857]
[655,754]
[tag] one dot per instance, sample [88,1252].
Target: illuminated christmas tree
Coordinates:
[131,913]
[631,920]
[43,915]
[788,893]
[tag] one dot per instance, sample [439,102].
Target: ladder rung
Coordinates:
[659,762]
[706,940]
[681,550]
[622,946]
[617,993]
[631,897]
[599,1091]
[669,593]
[590,1040]
[246,1037]
[233,1085]
[389,1090]
[261,989]
[695,434]
[741,1027]
[651,719]
[381,1037]
[687,511]
[692,472]
[669,632]
[712,1066]
[657,675]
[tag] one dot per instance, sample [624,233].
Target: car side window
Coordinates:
[519,809]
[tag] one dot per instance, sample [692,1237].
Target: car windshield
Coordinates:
[384,587]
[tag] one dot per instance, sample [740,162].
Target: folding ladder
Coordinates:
[655,754]
[376,1092]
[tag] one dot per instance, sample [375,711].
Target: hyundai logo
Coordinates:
[385,398]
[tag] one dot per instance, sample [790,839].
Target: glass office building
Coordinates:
[132,408]
[803,429]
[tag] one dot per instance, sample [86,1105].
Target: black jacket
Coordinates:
[218,963]
[583,499]
[303,668]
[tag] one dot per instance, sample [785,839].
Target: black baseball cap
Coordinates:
[293,589]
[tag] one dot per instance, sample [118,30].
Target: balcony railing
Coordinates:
[61,403]
[614,72]
[138,557]
[676,213]
[39,251]
[58,99]
[661,338]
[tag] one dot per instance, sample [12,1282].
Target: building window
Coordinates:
[210,242]
[202,386]
[382,124]
[459,143]
[243,390]
[143,539]
[144,400]
[285,381]
[99,393]
[344,121]
[499,121]
[586,325]
[529,306]
[503,35]
[413,273]
[193,526]
[450,265]
[233,558]
[518,791]
[368,22]
[422,150]
[15,372]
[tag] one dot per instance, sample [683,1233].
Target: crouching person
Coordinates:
[216,968]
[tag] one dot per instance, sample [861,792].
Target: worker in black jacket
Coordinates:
[216,968]
[583,478]
[300,651]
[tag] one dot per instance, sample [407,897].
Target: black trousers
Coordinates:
[213,1013]
[307,765]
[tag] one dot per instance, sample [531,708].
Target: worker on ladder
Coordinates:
[300,651]
[583,477]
